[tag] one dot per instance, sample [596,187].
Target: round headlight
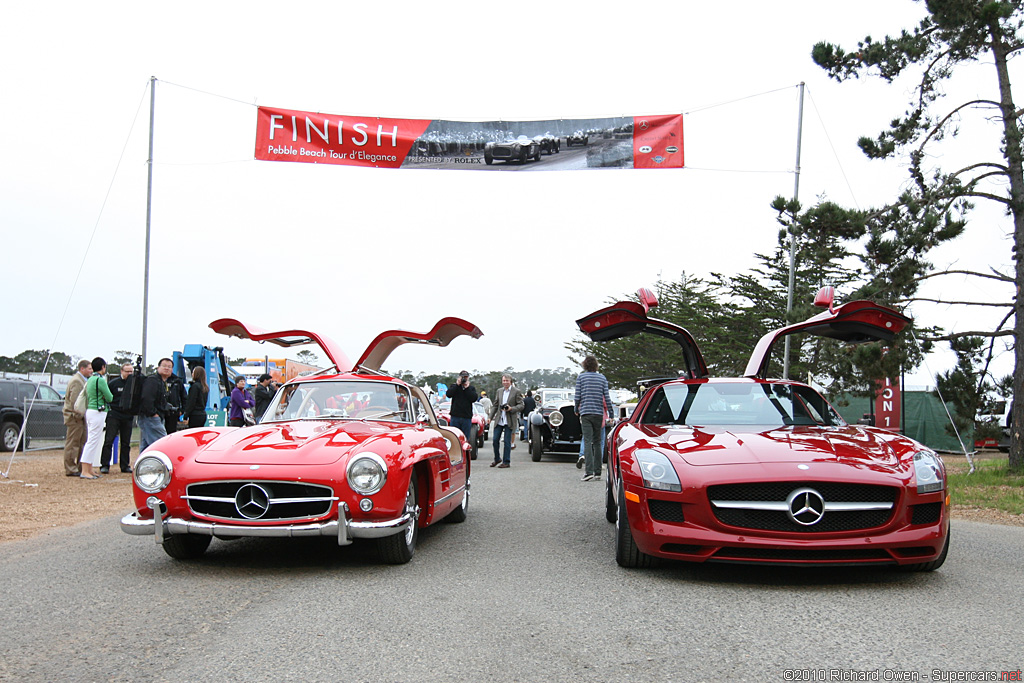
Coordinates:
[367,473]
[153,471]
[556,418]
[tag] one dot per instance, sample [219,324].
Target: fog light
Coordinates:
[366,505]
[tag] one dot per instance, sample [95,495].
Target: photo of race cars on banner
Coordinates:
[559,144]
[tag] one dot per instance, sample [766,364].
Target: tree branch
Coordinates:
[996,276]
[958,335]
[954,303]
[942,122]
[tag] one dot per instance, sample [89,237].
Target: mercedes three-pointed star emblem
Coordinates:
[252,501]
[805,506]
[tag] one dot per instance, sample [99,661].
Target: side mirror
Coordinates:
[647,299]
[825,297]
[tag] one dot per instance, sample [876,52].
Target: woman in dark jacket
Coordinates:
[195,404]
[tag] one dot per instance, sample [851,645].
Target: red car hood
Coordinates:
[732,446]
[311,442]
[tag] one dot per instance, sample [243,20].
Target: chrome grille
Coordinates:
[285,500]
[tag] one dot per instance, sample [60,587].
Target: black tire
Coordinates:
[474,441]
[186,546]
[934,564]
[9,437]
[536,443]
[488,159]
[399,548]
[626,552]
[458,515]
[611,513]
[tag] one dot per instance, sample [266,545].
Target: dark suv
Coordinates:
[46,420]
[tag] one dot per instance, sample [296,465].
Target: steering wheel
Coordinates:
[382,411]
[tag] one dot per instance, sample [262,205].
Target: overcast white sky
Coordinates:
[350,251]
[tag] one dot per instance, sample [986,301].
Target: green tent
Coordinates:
[924,419]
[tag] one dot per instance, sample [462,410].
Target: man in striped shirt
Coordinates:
[592,403]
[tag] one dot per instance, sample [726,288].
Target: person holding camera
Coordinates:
[463,395]
[504,416]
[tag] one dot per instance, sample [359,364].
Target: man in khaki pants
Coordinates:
[75,439]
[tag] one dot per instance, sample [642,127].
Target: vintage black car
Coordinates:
[577,138]
[554,425]
[520,149]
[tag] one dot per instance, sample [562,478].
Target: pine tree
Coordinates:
[933,209]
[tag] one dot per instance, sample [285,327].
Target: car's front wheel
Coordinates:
[399,548]
[474,441]
[536,443]
[626,552]
[611,513]
[186,546]
[9,436]
[458,515]
[934,564]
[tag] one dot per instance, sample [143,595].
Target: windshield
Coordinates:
[341,399]
[557,395]
[774,405]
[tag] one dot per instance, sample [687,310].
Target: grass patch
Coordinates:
[991,486]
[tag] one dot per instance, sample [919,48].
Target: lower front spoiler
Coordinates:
[343,529]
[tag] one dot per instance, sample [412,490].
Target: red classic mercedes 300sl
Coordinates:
[759,471]
[350,454]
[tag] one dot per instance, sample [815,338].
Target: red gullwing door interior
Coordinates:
[854,322]
[626,318]
[289,338]
[376,353]
[442,334]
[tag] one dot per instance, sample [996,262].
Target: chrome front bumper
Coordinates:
[344,529]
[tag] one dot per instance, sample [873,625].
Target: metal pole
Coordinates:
[792,228]
[149,212]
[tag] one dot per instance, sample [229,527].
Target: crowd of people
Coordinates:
[508,415]
[165,405]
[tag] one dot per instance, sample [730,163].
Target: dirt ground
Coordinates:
[35,496]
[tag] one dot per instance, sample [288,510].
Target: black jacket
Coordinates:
[463,399]
[264,395]
[195,403]
[175,395]
[117,388]
[154,396]
[529,405]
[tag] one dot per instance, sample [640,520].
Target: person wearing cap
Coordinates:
[264,394]
[463,395]
[485,402]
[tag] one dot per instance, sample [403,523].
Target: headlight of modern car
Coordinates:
[657,471]
[367,473]
[928,472]
[153,471]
